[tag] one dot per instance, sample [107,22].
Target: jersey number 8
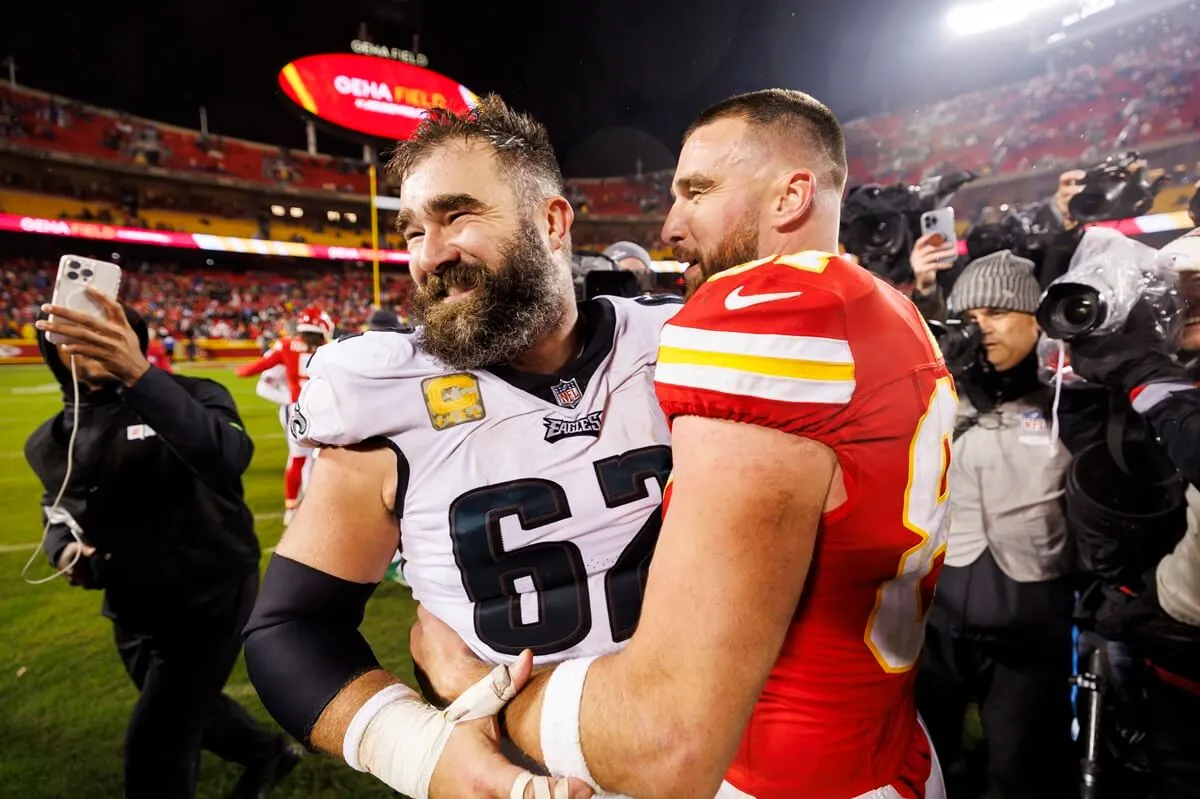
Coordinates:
[553,572]
[896,628]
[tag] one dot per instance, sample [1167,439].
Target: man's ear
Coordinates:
[559,217]
[793,198]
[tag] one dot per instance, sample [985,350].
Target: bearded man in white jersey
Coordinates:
[512,447]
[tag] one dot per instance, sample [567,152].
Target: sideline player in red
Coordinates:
[314,328]
[812,417]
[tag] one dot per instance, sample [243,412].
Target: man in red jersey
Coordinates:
[812,418]
[313,329]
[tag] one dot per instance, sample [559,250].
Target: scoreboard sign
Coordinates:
[370,96]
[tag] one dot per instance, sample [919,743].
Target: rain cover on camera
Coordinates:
[1124,271]
[1051,355]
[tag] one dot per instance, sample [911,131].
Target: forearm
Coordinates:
[637,731]
[210,439]
[329,732]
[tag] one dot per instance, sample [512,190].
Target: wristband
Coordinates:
[399,738]
[561,749]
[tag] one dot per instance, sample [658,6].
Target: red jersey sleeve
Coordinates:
[272,358]
[765,343]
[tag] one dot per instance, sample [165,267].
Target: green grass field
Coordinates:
[64,696]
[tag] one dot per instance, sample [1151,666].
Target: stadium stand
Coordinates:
[1133,87]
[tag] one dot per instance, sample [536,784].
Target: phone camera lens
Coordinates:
[73,264]
[72,275]
[87,272]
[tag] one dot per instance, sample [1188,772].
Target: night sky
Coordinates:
[614,80]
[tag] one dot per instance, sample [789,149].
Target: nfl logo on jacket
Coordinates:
[567,393]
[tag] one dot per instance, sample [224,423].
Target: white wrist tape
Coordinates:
[561,749]
[399,738]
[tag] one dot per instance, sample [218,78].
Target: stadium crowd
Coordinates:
[1126,89]
[185,303]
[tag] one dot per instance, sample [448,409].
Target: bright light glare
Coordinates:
[980,17]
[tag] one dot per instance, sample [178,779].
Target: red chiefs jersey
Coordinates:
[293,353]
[815,346]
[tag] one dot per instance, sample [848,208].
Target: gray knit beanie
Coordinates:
[1000,280]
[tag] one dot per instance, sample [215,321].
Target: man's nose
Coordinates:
[674,229]
[436,252]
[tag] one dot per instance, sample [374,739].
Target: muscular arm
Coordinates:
[345,529]
[666,714]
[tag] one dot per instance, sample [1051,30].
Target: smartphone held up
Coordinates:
[75,275]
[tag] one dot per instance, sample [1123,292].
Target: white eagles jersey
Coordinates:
[529,504]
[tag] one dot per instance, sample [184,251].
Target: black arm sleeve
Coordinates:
[1176,423]
[204,429]
[302,642]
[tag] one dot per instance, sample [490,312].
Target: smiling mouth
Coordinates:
[457,293]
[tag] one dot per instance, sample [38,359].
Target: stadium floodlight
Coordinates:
[980,17]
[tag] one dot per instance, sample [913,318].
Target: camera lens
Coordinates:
[87,272]
[1070,310]
[1079,311]
[72,264]
[72,275]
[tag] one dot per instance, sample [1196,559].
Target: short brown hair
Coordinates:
[519,142]
[789,115]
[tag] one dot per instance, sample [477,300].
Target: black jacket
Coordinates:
[156,487]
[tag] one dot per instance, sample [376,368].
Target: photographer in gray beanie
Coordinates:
[999,631]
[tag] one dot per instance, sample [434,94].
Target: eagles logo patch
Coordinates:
[558,429]
[453,400]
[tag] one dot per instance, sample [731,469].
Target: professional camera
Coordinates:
[1118,188]
[959,341]
[1018,230]
[880,223]
[1108,276]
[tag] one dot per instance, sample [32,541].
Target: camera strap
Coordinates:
[1118,424]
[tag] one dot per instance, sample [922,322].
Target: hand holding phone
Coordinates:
[75,275]
[941,221]
[96,328]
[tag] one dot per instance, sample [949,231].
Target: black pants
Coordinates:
[180,672]
[1023,692]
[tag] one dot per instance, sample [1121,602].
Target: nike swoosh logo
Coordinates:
[736,301]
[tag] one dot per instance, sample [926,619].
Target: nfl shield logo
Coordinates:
[567,393]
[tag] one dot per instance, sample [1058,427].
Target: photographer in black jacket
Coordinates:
[152,513]
[1148,566]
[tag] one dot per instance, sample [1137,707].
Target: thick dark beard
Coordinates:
[741,246]
[512,307]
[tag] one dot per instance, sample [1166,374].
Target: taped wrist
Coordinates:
[302,642]
[561,748]
[398,738]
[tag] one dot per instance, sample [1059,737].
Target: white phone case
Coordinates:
[76,273]
[940,221]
